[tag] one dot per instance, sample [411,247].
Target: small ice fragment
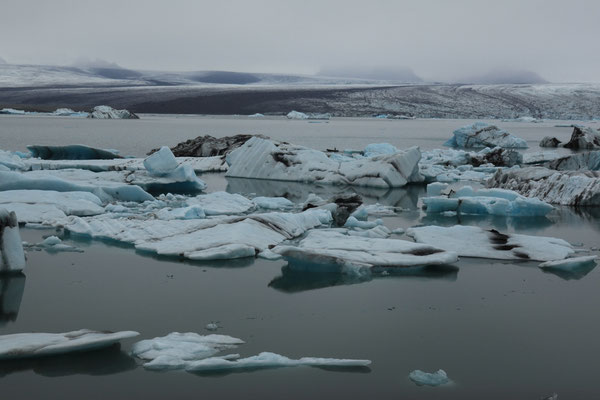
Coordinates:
[569,263]
[430,379]
[211,326]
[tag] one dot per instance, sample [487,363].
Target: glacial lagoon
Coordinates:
[500,329]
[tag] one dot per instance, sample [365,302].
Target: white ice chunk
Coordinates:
[273,203]
[222,203]
[12,257]
[375,149]
[178,350]
[161,163]
[191,212]
[569,263]
[352,222]
[296,115]
[429,378]
[472,241]
[26,345]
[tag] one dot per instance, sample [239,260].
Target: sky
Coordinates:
[440,40]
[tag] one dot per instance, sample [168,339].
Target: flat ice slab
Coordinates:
[570,263]
[26,345]
[481,134]
[266,159]
[422,378]
[333,251]
[472,241]
[12,257]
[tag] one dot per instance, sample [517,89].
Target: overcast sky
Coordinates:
[438,39]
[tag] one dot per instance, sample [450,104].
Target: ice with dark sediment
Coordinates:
[334,251]
[12,257]
[569,188]
[202,239]
[28,345]
[265,159]
[472,241]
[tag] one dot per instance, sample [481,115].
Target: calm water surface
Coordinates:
[501,330]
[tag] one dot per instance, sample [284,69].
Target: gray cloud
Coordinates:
[439,40]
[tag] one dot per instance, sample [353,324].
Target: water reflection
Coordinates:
[11,293]
[294,280]
[405,197]
[98,362]
[573,273]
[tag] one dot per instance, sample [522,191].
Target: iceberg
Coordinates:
[296,115]
[429,378]
[54,244]
[583,138]
[43,205]
[71,152]
[209,146]
[570,263]
[202,239]
[78,181]
[549,141]
[569,188]
[107,112]
[481,134]
[467,200]
[12,257]
[11,161]
[332,251]
[178,350]
[588,161]
[27,345]
[472,241]
[167,175]
[265,159]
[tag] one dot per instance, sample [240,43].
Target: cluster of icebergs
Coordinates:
[102,112]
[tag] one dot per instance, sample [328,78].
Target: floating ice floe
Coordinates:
[202,239]
[467,200]
[569,188]
[36,206]
[12,257]
[265,159]
[27,345]
[429,378]
[71,152]
[333,251]
[194,353]
[472,241]
[222,203]
[570,263]
[256,115]
[481,134]
[108,186]
[267,360]
[296,115]
[107,112]
[179,350]
[166,174]
[54,244]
